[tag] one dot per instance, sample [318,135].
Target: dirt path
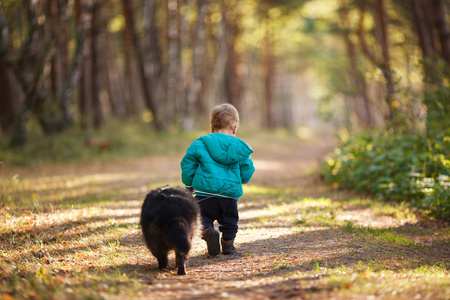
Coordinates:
[297,239]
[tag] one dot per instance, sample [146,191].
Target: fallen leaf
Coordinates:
[7,297]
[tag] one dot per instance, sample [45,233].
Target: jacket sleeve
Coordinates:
[247,169]
[189,165]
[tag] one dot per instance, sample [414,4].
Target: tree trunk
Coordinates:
[7,110]
[426,41]
[29,65]
[110,72]
[151,41]
[83,98]
[439,13]
[55,111]
[195,86]
[71,72]
[174,67]
[154,65]
[82,90]
[185,69]
[62,47]
[29,73]
[96,103]
[233,86]
[146,82]
[361,96]
[55,70]
[217,81]
[382,18]
[436,96]
[131,94]
[268,72]
[383,63]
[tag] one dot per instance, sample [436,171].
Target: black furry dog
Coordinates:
[170,219]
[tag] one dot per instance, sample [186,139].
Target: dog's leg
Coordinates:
[162,260]
[181,263]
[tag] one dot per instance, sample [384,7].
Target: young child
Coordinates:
[214,168]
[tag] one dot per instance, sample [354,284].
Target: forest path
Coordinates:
[298,238]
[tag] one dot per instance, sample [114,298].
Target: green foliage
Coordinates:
[392,166]
[438,107]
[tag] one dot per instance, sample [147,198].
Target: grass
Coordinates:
[382,235]
[117,141]
[71,232]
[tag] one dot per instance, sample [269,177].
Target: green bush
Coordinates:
[393,166]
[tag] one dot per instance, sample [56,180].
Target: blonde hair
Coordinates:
[224,116]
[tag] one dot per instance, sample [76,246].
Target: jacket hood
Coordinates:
[226,149]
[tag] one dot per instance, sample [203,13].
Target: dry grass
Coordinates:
[72,233]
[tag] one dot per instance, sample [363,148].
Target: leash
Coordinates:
[219,194]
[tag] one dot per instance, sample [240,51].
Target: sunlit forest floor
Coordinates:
[71,232]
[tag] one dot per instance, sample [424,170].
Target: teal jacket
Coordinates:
[217,165]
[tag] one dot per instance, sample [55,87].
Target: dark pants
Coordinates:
[224,210]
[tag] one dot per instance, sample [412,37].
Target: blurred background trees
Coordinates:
[357,63]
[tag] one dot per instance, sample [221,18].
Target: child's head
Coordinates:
[224,116]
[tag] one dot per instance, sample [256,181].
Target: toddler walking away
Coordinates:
[214,168]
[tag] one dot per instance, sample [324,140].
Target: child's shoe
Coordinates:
[228,247]
[211,237]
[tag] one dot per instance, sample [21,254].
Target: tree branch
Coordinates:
[362,39]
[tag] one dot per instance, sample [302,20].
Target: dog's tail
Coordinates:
[179,233]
